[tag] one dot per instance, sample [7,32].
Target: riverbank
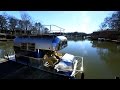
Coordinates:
[106,35]
[108,40]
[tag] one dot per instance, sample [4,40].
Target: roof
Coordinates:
[62,37]
[34,36]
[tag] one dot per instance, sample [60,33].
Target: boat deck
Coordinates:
[13,70]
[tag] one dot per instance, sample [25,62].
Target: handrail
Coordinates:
[58,27]
[55,26]
[81,61]
[75,71]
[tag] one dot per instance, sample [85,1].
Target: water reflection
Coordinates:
[101,59]
[6,48]
[110,53]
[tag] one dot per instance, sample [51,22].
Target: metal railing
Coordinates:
[38,63]
[78,65]
[59,30]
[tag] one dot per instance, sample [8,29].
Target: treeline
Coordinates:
[12,25]
[112,22]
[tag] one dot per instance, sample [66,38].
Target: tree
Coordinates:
[112,22]
[75,33]
[46,30]
[20,25]
[33,30]
[3,23]
[38,27]
[13,23]
[26,20]
[42,29]
[103,26]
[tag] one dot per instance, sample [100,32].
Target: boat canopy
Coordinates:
[50,42]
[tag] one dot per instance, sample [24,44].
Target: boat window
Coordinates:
[31,46]
[24,46]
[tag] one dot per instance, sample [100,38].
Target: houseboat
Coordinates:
[42,52]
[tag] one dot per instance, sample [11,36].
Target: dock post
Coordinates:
[8,57]
[82,75]
[116,77]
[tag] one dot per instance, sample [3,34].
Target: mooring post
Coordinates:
[8,57]
[82,75]
[116,77]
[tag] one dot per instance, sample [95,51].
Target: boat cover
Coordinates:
[66,63]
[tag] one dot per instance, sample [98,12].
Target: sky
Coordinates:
[71,21]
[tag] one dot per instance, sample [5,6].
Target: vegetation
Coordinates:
[109,29]
[11,24]
[112,22]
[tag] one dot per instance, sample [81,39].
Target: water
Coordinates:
[6,48]
[101,59]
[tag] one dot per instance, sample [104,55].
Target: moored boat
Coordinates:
[42,52]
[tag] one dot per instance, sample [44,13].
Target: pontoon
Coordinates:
[31,50]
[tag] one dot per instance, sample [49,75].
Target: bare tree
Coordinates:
[112,22]
[38,27]
[20,26]
[26,20]
[3,23]
[42,29]
[33,30]
[103,26]
[46,30]
[13,23]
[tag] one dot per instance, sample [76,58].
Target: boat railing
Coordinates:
[78,65]
[38,63]
[54,29]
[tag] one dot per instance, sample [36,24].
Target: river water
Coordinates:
[101,59]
